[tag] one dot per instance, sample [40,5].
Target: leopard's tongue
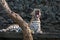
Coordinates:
[37,16]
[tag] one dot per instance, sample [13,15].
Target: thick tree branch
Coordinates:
[16,17]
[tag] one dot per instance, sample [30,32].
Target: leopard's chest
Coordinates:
[35,25]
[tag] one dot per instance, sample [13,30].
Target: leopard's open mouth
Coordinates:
[37,13]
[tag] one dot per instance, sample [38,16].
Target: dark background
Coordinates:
[50,10]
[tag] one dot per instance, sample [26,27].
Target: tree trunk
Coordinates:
[17,18]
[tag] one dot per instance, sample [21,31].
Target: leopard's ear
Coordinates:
[32,13]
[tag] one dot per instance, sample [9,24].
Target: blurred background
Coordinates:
[50,13]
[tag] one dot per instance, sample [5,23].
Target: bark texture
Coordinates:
[18,19]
